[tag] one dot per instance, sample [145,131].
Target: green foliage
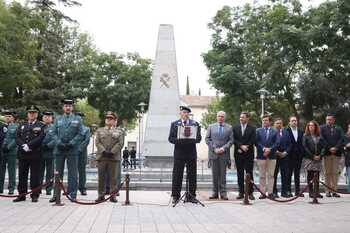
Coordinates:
[91,114]
[120,84]
[45,58]
[301,58]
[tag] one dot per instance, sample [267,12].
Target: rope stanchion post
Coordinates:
[246,189]
[316,188]
[127,189]
[57,191]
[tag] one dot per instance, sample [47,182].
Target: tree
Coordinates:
[119,84]
[301,58]
[91,114]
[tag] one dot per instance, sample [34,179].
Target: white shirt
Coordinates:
[243,127]
[295,133]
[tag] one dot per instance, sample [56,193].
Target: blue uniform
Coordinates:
[68,130]
[9,150]
[82,158]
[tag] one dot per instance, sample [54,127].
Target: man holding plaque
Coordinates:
[184,134]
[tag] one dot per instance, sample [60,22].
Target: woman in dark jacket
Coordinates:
[347,154]
[314,151]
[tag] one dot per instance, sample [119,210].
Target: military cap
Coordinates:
[111,115]
[32,108]
[184,108]
[68,101]
[48,113]
[9,112]
[81,114]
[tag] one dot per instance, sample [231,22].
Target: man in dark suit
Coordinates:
[185,153]
[29,137]
[333,135]
[283,141]
[295,155]
[244,141]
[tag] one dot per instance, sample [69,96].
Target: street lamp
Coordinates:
[263,92]
[140,117]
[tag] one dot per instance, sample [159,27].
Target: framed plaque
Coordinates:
[187,132]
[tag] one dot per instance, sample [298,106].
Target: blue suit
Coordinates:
[269,140]
[283,144]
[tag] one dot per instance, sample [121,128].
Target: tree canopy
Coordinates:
[301,57]
[44,58]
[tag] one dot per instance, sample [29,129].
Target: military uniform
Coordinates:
[29,136]
[9,150]
[109,143]
[47,148]
[185,153]
[82,159]
[68,130]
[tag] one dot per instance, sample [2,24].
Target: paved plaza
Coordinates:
[150,212]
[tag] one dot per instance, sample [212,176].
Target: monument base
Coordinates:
[159,161]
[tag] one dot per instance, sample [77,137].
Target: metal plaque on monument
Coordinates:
[164,102]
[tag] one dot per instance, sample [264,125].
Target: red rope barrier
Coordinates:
[28,193]
[333,190]
[114,193]
[282,201]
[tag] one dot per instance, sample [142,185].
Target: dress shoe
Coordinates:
[251,197]
[113,199]
[18,199]
[240,196]
[192,200]
[99,199]
[48,193]
[328,194]
[1,191]
[11,192]
[214,196]
[319,196]
[271,196]
[300,194]
[285,195]
[83,193]
[35,199]
[311,195]
[53,199]
[262,197]
[224,197]
[336,195]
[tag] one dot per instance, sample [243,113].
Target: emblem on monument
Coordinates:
[164,80]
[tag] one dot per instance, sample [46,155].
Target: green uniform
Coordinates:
[68,130]
[82,159]
[9,149]
[47,149]
[109,143]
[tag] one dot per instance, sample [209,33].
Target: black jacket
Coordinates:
[312,148]
[32,135]
[296,148]
[184,149]
[248,138]
[333,137]
[346,140]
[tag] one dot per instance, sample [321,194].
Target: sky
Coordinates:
[132,26]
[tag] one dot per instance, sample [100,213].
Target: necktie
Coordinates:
[221,130]
[243,129]
[267,133]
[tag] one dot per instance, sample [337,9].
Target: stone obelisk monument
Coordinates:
[164,101]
